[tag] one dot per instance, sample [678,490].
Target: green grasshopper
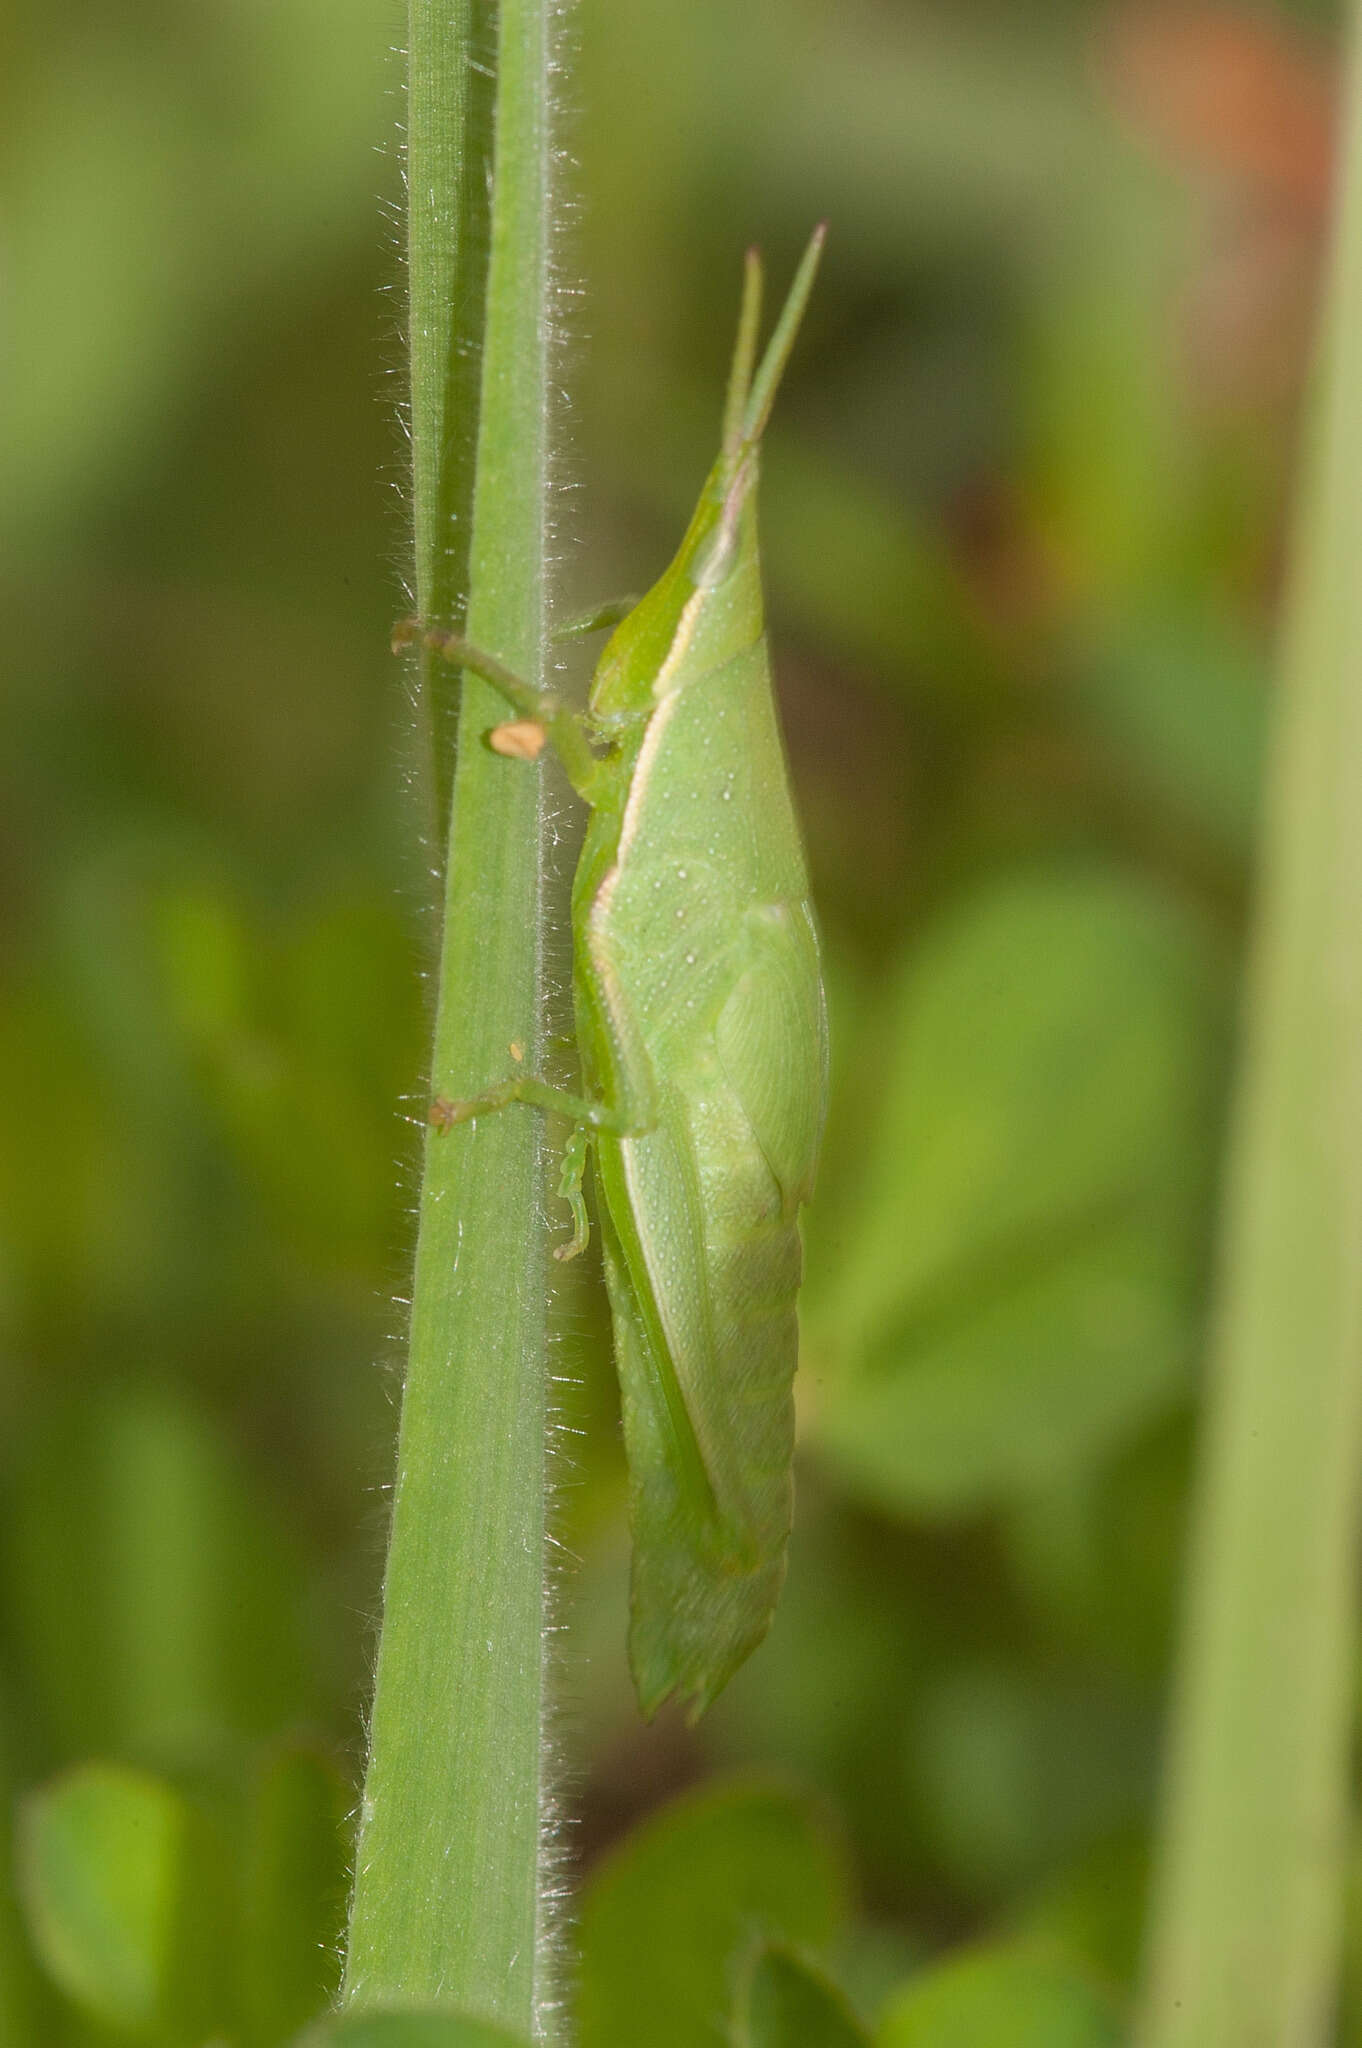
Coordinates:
[702,1037]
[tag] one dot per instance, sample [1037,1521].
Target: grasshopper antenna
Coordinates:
[744,354]
[762,395]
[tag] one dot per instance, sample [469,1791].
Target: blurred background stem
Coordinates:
[1246,1925]
[446,1906]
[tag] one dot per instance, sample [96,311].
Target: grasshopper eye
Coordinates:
[714,566]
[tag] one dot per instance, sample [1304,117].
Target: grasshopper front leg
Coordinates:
[542,715]
[600,619]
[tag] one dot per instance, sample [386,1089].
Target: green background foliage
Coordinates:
[1023,508]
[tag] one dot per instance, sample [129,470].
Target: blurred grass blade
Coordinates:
[446,1906]
[1245,1927]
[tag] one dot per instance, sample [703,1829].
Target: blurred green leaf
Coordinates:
[1013,1288]
[121,1887]
[671,1916]
[293,1892]
[1003,1997]
[406,2030]
[785,2003]
[1069,1360]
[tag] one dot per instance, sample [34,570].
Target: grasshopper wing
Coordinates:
[703,1263]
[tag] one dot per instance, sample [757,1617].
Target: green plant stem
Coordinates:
[450,116]
[446,1907]
[1245,1928]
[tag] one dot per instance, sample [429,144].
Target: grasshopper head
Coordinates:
[719,552]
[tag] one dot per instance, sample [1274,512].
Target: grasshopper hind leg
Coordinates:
[585,1117]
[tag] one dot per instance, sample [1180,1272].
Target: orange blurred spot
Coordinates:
[1229,92]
